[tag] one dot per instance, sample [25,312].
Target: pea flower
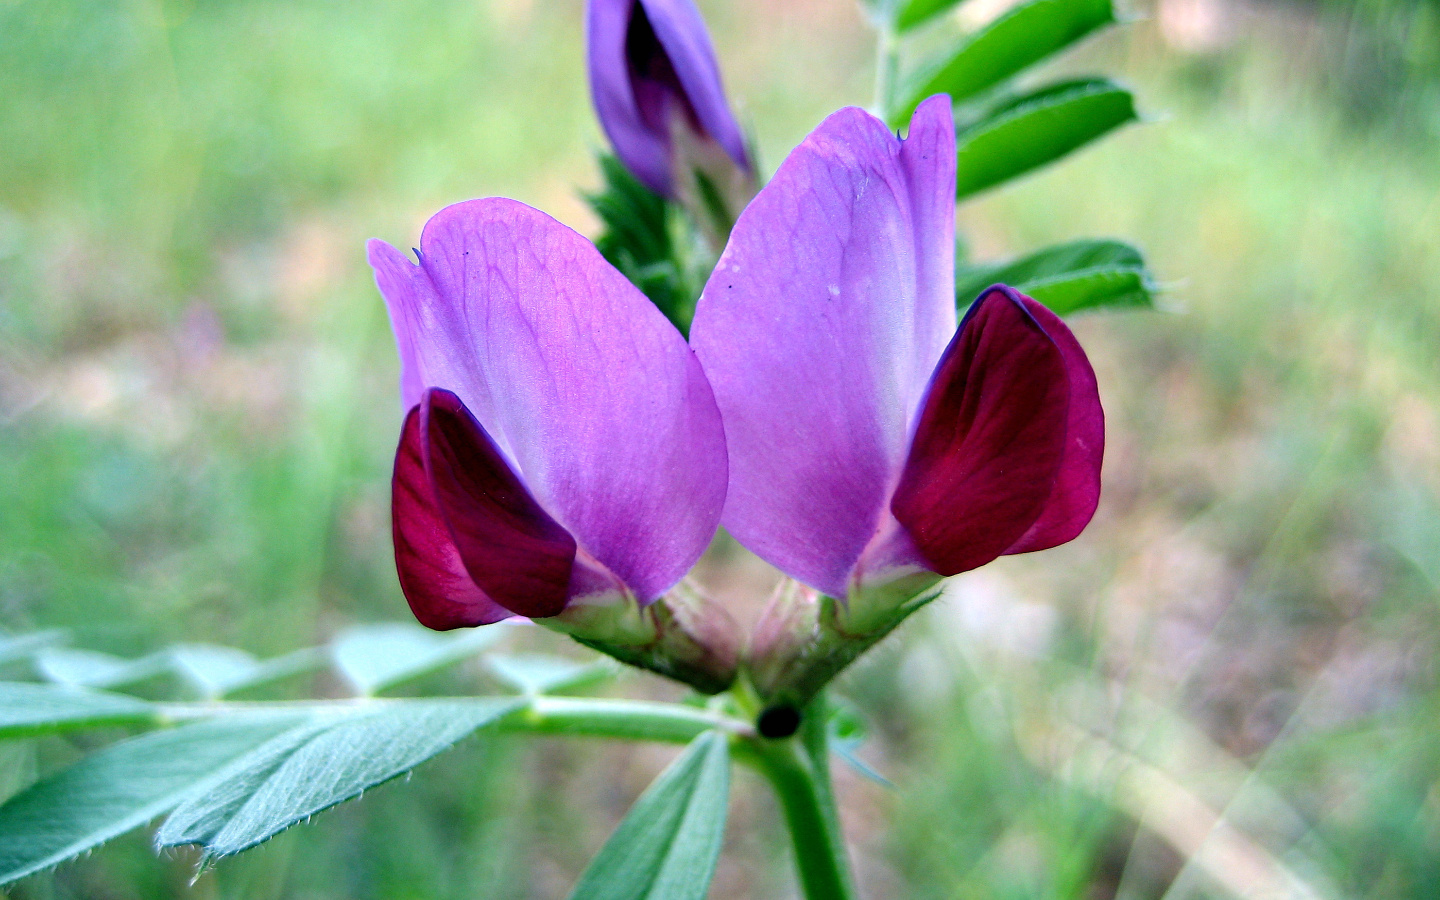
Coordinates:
[873,447]
[562,456]
[657,93]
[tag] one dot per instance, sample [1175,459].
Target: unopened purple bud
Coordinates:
[658,95]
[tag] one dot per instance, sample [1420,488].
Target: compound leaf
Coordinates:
[1021,38]
[297,775]
[120,788]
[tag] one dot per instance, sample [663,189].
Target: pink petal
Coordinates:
[819,330]
[590,395]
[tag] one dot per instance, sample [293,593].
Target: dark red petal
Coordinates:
[990,439]
[1077,487]
[514,552]
[432,575]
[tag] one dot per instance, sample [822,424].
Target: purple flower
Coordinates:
[562,446]
[655,82]
[868,439]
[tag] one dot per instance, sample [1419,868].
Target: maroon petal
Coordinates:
[1077,486]
[512,549]
[991,438]
[432,575]
[517,557]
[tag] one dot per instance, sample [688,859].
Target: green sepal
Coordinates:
[804,640]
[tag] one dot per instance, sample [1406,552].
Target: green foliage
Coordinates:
[245,773]
[372,658]
[541,673]
[668,844]
[917,12]
[1069,277]
[241,772]
[89,668]
[1022,37]
[1005,131]
[121,787]
[1027,132]
[22,646]
[216,671]
[39,708]
[649,240]
[317,765]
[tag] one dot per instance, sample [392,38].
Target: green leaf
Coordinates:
[916,12]
[119,788]
[375,657]
[215,671]
[299,774]
[846,732]
[204,813]
[1069,277]
[1007,46]
[41,708]
[1093,289]
[668,844]
[1030,131]
[539,673]
[20,646]
[87,668]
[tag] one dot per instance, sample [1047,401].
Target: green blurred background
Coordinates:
[1226,688]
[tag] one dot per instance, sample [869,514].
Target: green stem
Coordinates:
[579,716]
[809,807]
[627,719]
[815,735]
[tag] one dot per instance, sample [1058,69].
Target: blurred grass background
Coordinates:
[1227,687]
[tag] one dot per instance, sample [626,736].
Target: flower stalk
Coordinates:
[802,784]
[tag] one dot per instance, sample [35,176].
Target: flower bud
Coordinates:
[657,93]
